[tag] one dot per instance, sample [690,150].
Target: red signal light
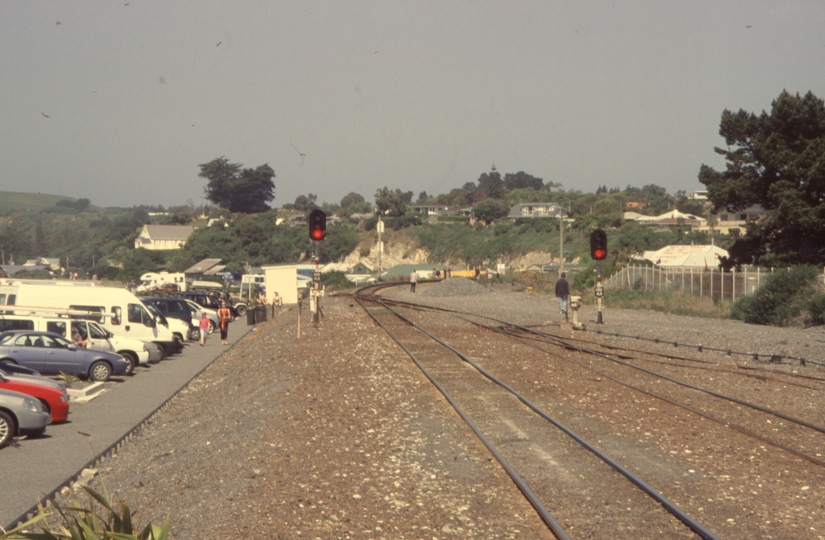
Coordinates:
[317,225]
[598,245]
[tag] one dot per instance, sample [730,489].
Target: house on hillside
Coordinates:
[535,210]
[431,209]
[157,237]
[728,219]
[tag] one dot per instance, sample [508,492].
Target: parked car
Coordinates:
[53,397]
[20,415]
[50,353]
[94,335]
[182,330]
[15,369]
[196,311]
[114,308]
[172,308]
[212,300]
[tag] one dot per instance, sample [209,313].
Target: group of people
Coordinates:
[224,316]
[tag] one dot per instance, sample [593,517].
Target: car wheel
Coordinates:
[129,357]
[100,371]
[241,310]
[47,409]
[162,348]
[6,428]
[212,327]
[194,334]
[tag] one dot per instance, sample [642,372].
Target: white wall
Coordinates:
[281,279]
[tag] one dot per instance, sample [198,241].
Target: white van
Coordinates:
[115,309]
[134,351]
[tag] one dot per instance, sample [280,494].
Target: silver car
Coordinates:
[20,415]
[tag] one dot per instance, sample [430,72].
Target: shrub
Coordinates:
[98,519]
[816,310]
[781,300]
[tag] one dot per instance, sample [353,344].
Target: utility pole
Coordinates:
[561,241]
[380,228]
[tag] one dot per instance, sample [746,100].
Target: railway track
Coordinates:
[687,379]
[578,490]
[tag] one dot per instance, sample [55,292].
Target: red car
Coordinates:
[51,394]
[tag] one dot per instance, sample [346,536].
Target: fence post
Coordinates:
[733,285]
[745,287]
[722,285]
[701,284]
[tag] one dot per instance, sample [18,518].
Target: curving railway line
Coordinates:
[640,448]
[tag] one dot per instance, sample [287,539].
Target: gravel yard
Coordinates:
[337,434]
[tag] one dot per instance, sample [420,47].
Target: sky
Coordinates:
[121,101]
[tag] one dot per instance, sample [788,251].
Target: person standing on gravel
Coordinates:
[413,280]
[563,293]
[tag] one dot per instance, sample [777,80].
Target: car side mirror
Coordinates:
[72,347]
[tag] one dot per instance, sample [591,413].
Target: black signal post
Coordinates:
[598,250]
[317,233]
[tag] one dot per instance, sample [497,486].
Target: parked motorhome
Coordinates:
[62,323]
[152,281]
[115,309]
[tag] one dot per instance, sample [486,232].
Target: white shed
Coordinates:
[283,280]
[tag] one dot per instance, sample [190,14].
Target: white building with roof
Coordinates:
[157,237]
[697,257]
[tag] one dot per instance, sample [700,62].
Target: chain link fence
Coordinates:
[704,283]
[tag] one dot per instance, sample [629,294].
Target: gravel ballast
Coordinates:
[338,435]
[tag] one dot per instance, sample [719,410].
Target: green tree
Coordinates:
[15,241]
[492,184]
[389,202]
[490,210]
[236,189]
[775,160]
[522,180]
[351,198]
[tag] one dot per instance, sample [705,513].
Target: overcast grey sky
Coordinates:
[120,101]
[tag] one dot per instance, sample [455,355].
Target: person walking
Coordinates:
[277,302]
[413,280]
[224,315]
[204,327]
[563,294]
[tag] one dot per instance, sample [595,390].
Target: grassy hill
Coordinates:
[12,200]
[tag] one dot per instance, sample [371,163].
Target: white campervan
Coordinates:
[159,280]
[47,320]
[115,309]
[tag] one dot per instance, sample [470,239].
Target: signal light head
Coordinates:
[317,225]
[598,245]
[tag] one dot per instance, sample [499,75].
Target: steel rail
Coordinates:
[742,402]
[542,511]
[696,360]
[720,421]
[674,510]
[575,347]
